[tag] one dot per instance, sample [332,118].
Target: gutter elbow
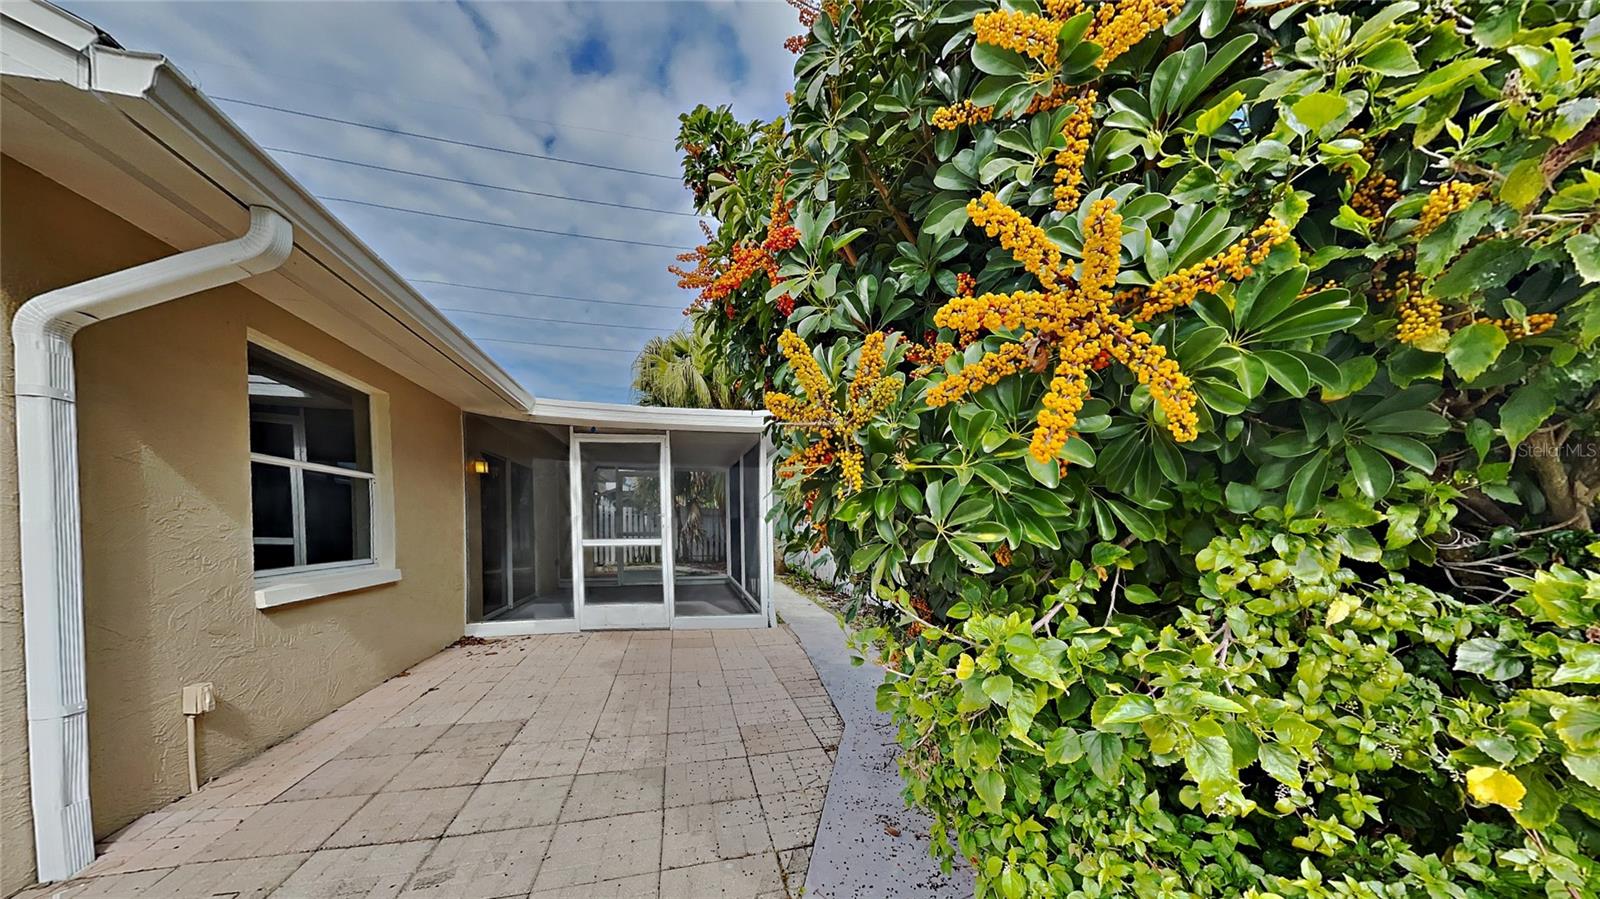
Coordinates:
[269,241]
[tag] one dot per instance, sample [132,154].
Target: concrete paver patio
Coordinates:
[684,764]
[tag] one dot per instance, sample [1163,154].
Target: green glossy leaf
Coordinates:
[1474,348]
[1525,411]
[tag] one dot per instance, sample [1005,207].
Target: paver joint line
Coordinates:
[530,766]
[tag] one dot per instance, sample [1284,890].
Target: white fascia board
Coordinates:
[38,40]
[647,418]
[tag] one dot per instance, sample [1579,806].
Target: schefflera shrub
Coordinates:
[1201,399]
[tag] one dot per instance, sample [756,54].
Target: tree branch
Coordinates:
[1565,154]
[883,193]
[1568,500]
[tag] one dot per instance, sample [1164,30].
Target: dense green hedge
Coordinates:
[1210,393]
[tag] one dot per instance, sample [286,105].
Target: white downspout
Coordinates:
[47,476]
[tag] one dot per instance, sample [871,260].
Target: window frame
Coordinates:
[279,586]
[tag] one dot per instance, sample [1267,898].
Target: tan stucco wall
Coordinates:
[166,502]
[16,817]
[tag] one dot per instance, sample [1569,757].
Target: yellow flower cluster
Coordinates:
[994,312]
[1069,159]
[1169,386]
[1237,261]
[868,369]
[1026,241]
[1072,322]
[1538,323]
[1444,201]
[949,118]
[1421,320]
[868,395]
[1059,96]
[1062,10]
[1059,411]
[806,370]
[785,407]
[1031,35]
[1008,360]
[1118,27]
[1102,250]
[1398,285]
[1374,195]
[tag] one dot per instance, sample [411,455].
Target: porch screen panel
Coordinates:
[750,513]
[735,524]
[523,586]
[699,512]
[492,504]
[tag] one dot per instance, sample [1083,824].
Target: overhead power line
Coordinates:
[557,321]
[443,140]
[560,346]
[464,181]
[530,228]
[413,97]
[548,296]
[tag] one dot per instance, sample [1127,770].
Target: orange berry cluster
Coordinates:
[929,356]
[1119,27]
[1026,241]
[1237,261]
[1072,321]
[868,395]
[1538,323]
[1069,159]
[806,11]
[965,284]
[1444,201]
[796,43]
[1031,35]
[745,260]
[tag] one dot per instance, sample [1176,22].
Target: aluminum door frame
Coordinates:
[629,615]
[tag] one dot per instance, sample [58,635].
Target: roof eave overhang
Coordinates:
[47,44]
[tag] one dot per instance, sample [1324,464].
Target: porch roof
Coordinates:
[645,418]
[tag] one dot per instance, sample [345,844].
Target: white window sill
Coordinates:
[291,588]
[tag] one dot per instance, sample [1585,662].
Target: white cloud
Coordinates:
[500,74]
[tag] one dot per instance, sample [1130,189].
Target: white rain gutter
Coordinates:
[47,475]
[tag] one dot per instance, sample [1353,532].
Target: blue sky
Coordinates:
[598,82]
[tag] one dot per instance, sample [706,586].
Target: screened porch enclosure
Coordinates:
[574,527]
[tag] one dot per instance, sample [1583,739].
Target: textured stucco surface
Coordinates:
[16,818]
[165,481]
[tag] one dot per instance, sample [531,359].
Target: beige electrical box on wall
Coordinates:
[199,699]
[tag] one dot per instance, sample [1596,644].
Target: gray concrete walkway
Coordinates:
[684,764]
[869,844]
